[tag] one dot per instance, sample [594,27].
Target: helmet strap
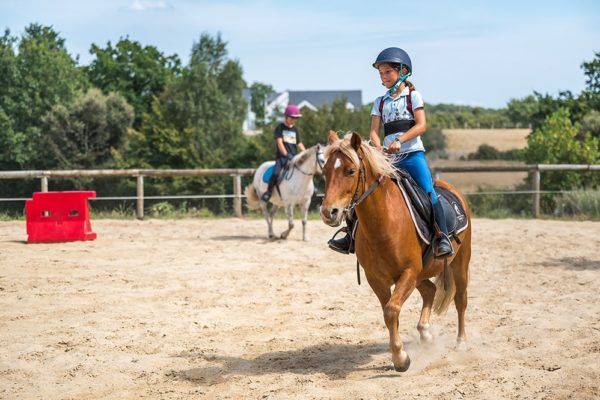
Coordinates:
[401,79]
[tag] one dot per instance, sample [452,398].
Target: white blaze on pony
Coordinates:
[337,164]
[296,187]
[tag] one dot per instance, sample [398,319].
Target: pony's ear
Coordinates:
[332,137]
[355,141]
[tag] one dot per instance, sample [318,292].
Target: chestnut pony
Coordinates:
[387,245]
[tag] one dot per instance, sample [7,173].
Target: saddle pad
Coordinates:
[267,175]
[454,212]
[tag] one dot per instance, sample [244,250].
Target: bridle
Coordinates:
[318,163]
[362,177]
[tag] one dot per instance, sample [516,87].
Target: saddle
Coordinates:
[421,209]
[269,172]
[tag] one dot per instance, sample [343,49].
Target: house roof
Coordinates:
[318,98]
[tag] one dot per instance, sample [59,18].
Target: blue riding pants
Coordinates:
[415,163]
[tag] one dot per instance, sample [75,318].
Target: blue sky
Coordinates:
[480,53]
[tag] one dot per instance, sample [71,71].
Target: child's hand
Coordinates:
[394,147]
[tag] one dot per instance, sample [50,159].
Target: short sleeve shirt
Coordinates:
[290,137]
[395,109]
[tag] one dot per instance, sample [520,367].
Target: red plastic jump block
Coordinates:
[59,217]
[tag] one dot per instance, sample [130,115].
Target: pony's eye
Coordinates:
[349,171]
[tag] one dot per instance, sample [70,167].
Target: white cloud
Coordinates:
[143,5]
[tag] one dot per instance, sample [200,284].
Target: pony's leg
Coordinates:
[404,287]
[269,218]
[304,212]
[289,210]
[427,290]
[272,213]
[460,270]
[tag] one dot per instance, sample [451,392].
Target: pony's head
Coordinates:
[349,161]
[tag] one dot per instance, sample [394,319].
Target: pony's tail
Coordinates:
[443,298]
[252,197]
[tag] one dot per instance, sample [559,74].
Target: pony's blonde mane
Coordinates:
[379,163]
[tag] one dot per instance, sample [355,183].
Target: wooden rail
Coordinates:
[237,173]
[535,170]
[139,174]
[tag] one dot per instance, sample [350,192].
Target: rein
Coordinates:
[355,202]
[362,177]
[294,166]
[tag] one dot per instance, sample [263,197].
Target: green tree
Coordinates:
[84,133]
[258,93]
[201,110]
[591,124]
[34,79]
[591,70]
[435,142]
[135,71]
[11,143]
[555,142]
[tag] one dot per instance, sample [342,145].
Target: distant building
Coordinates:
[314,99]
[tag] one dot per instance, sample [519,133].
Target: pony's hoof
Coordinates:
[461,345]
[426,338]
[403,368]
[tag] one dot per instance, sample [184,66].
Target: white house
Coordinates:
[313,99]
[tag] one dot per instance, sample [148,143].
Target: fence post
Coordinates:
[535,187]
[140,197]
[237,195]
[44,183]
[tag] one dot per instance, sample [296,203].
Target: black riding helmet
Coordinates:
[393,55]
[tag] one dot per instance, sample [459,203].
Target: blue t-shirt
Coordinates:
[395,109]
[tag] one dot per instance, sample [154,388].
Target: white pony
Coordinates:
[295,187]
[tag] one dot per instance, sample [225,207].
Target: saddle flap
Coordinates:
[267,174]
[456,218]
[421,211]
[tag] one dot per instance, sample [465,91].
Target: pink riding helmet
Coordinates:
[293,111]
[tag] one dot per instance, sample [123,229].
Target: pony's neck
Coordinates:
[384,206]
[308,163]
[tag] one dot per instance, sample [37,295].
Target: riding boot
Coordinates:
[266,196]
[345,244]
[444,248]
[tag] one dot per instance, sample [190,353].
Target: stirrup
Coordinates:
[336,244]
[266,196]
[447,254]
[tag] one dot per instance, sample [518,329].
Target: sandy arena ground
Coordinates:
[180,309]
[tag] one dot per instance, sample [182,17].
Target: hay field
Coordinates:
[461,142]
[471,181]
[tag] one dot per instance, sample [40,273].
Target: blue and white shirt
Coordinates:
[395,109]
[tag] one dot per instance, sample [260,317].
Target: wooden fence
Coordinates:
[236,175]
